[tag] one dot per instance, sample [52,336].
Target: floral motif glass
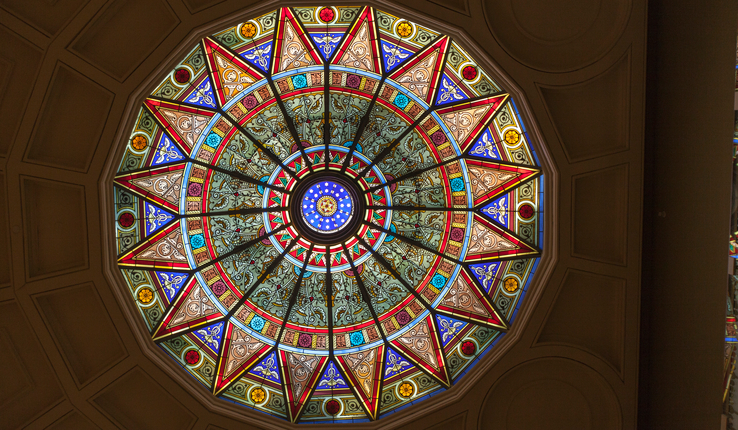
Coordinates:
[326,213]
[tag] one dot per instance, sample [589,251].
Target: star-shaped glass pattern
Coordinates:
[326,213]
[327,206]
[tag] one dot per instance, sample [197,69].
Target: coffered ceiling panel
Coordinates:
[73,420]
[589,314]
[141,24]
[67,137]
[456,422]
[591,118]
[4,237]
[557,36]
[561,393]
[81,327]
[55,225]
[46,16]
[460,6]
[122,402]
[195,6]
[599,219]
[19,62]
[29,385]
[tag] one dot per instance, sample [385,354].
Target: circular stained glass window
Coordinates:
[326,213]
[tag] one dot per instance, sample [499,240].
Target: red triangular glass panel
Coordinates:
[191,309]
[161,185]
[489,241]
[184,123]
[464,299]
[421,74]
[364,370]
[489,179]
[293,46]
[301,374]
[466,120]
[162,250]
[422,345]
[231,74]
[240,351]
[360,47]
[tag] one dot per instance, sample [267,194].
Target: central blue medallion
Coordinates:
[327,207]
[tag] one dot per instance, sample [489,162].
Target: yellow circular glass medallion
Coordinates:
[406,389]
[511,285]
[404,29]
[327,206]
[139,142]
[512,137]
[145,296]
[248,30]
[258,395]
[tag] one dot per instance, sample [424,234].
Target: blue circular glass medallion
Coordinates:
[327,207]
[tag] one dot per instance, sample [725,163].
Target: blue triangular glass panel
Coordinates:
[211,336]
[326,42]
[166,152]
[449,92]
[171,282]
[395,363]
[485,273]
[155,218]
[332,378]
[393,55]
[268,368]
[203,95]
[259,56]
[449,327]
[498,210]
[485,147]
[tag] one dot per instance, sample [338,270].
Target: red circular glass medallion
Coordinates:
[326,14]
[526,211]
[468,347]
[126,219]
[332,407]
[403,317]
[182,76]
[219,287]
[192,357]
[469,72]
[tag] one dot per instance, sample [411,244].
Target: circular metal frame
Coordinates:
[302,226]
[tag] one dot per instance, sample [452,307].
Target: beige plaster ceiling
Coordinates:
[70,71]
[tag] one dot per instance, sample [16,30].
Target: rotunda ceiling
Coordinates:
[328,213]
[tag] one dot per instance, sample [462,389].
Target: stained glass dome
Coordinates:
[328,213]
